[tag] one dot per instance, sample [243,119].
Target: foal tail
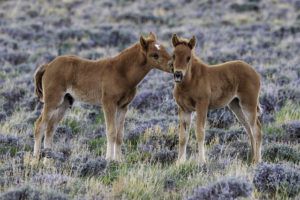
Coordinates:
[38,81]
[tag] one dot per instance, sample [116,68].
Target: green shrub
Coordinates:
[277,152]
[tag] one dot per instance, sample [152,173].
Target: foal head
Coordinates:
[182,56]
[155,54]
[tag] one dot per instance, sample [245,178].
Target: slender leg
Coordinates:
[40,128]
[258,136]
[185,122]
[110,111]
[121,112]
[254,129]
[236,108]
[52,102]
[57,115]
[249,111]
[201,111]
[38,134]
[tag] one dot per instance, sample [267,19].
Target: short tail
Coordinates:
[38,81]
[259,110]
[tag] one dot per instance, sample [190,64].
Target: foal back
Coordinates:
[230,80]
[77,77]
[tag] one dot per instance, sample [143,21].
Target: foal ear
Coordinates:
[143,43]
[192,42]
[152,36]
[175,40]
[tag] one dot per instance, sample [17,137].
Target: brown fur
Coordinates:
[111,82]
[204,87]
[38,81]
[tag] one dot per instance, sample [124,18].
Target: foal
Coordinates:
[200,87]
[111,82]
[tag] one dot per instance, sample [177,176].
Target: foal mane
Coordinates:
[183,41]
[135,46]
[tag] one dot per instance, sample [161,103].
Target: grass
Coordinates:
[136,177]
[36,56]
[289,112]
[3,76]
[98,146]
[73,123]
[12,150]
[273,130]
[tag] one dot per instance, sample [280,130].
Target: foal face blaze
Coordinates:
[182,56]
[156,54]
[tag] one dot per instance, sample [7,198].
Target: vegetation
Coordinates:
[263,33]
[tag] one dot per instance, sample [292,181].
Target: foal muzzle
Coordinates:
[178,76]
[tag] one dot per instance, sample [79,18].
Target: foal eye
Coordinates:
[155,56]
[188,58]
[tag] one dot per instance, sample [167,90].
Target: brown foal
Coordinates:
[111,82]
[200,87]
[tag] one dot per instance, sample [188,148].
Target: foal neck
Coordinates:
[132,65]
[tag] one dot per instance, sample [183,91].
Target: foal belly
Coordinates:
[90,96]
[221,100]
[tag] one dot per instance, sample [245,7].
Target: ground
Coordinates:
[265,34]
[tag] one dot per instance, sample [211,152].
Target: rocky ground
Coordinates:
[266,34]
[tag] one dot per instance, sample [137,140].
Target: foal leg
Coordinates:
[40,128]
[41,125]
[249,109]
[121,112]
[258,136]
[56,117]
[237,110]
[201,111]
[110,110]
[185,122]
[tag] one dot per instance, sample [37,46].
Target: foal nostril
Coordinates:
[178,76]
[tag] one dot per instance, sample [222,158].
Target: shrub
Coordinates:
[251,6]
[240,150]
[28,192]
[148,99]
[56,156]
[164,157]
[276,178]
[293,130]
[277,152]
[231,188]
[92,168]
[223,135]
[9,144]
[169,184]
[221,118]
